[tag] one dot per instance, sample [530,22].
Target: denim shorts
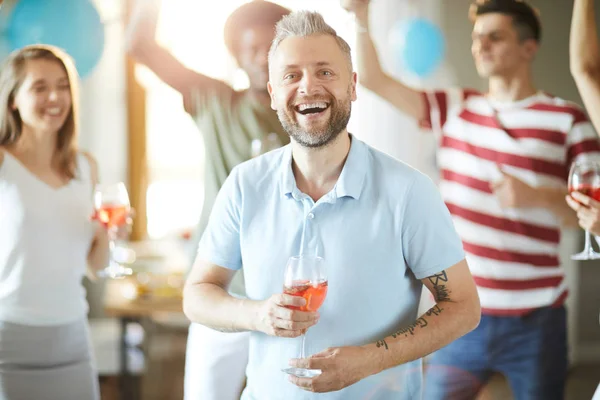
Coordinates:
[530,351]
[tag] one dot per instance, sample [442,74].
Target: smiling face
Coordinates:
[43,99]
[312,88]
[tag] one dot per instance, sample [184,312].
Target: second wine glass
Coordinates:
[584,177]
[306,276]
[112,209]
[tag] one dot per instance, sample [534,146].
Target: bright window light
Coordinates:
[193,32]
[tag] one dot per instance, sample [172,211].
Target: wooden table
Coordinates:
[117,305]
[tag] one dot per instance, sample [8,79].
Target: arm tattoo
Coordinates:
[435,310]
[437,278]
[410,329]
[441,291]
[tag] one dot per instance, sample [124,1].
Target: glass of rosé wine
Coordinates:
[305,276]
[112,206]
[584,177]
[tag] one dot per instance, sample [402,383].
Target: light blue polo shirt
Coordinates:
[381,229]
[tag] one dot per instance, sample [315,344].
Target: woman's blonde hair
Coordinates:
[11,79]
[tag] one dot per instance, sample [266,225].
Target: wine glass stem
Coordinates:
[588,244]
[111,246]
[303,342]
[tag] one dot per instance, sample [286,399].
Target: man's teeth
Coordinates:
[303,107]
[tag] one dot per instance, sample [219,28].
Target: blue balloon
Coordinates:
[419,45]
[73,25]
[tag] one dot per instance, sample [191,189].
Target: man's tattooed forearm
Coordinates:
[435,310]
[441,294]
[410,329]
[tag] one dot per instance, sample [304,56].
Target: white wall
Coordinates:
[103,100]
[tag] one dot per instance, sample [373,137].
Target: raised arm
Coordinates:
[584,54]
[142,46]
[370,73]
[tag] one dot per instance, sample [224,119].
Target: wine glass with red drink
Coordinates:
[112,209]
[305,276]
[584,177]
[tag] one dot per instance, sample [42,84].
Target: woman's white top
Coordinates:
[45,237]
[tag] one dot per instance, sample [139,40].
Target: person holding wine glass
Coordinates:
[47,238]
[235,126]
[584,60]
[335,240]
[504,155]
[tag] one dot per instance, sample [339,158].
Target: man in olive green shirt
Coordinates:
[235,125]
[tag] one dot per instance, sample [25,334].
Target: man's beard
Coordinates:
[338,121]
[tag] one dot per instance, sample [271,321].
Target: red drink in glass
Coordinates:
[313,294]
[113,215]
[588,190]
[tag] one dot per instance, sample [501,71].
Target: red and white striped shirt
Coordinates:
[512,253]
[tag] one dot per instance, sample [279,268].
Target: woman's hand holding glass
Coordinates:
[112,210]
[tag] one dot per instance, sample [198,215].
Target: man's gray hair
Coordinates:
[306,23]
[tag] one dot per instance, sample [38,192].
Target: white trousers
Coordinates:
[215,364]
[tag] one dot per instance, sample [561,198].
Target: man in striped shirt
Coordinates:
[504,158]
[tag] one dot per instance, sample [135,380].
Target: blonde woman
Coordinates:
[47,239]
